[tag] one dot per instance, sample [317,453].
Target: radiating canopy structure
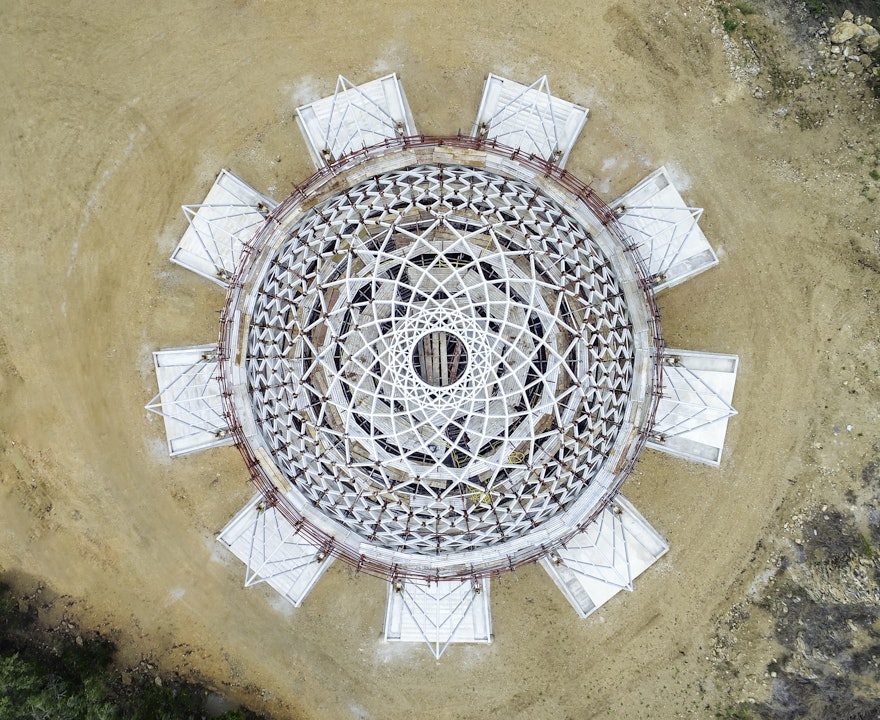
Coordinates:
[440,357]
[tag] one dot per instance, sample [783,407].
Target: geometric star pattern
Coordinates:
[440,358]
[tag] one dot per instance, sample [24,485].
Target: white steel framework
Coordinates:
[439,358]
[189,399]
[440,613]
[696,405]
[355,117]
[219,227]
[273,551]
[605,558]
[670,239]
[529,118]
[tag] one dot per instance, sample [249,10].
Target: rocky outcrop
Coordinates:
[850,45]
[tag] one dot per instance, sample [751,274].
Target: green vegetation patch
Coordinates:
[51,674]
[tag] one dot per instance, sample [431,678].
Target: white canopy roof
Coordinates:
[691,420]
[218,228]
[671,242]
[528,117]
[273,551]
[438,614]
[604,559]
[189,399]
[355,117]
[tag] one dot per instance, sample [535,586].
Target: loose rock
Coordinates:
[844,32]
[870,43]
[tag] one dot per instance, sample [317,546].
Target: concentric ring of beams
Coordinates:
[439,358]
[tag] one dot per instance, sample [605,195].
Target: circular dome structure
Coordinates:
[440,358]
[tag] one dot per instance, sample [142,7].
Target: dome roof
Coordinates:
[445,364]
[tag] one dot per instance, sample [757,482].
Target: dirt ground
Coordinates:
[113,114]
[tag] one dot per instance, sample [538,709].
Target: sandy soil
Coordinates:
[114,114]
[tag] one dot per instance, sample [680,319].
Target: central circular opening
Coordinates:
[440,358]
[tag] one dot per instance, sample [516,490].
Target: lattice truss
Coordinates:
[692,415]
[189,399]
[529,118]
[219,227]
[606,557]
[439,358]
[273,551]
[441,613]
[355,117]
[671,242]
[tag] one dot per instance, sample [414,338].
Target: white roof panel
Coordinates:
[189,399]
[355,117]
[449,611]
[218,228]
[692,415]
[273,551]
[528,117]
[598,563]
[666,230]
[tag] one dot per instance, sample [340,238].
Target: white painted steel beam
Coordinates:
[273,552]
[445,612]
[666,231]
[189,399]
[528,117]
[598,563]
[692,415]
[218,228]
[355,117]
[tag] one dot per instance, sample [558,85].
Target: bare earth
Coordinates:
[114,114]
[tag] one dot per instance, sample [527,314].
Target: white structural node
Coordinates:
[274,551]
[189,399]
[692,415]
[529,118]
[355,117]
[218,228]
[605,558]
[440,613]
[440,357]
[666,230]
